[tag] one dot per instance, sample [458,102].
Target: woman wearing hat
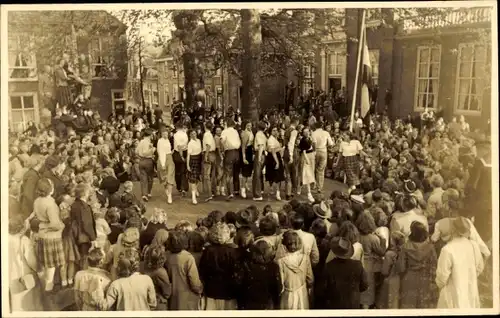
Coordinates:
[417,264]
[458,266]
[343,279]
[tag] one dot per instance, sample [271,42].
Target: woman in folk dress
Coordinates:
[247,138]
[275,170]
[193,164]
[350,149]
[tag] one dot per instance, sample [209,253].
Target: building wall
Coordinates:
[406,66]
[397,64]
[101,96]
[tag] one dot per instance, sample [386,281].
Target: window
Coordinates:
[118,100]
[208,96]
[166,95]
[175,71]
[22,62]
[427,85]
[23,109]
[175,93]
[336,64]
[147,97]
[308,79]
[155,98]
[165,69]
[374,60]
[469,85]
[102,59]
[219,103]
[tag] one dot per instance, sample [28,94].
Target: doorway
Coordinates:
[334,83]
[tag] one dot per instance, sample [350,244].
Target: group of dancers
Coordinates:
[237,159]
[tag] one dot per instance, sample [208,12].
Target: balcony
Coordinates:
[456,18]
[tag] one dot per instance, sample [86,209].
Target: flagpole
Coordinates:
[358,65]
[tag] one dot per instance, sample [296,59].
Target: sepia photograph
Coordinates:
[271,158]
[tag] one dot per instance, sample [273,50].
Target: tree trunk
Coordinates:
[141,78]
[186,23]
[252,40]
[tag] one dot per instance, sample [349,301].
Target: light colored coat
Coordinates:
[459,265]
[296,277]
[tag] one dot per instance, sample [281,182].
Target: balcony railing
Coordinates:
[454,18]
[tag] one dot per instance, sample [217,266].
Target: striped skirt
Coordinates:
[50,252]
[194,175]
[350,165]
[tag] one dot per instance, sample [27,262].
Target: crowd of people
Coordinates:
[404,234]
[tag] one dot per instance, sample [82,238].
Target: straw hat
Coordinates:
[322,210]
[342,248]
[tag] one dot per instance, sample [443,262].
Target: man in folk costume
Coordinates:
[291,159]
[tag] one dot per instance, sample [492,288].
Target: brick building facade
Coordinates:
[25,65]
[444,66]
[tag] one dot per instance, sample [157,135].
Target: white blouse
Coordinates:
[194,147]
[273,144]
[351,148]
[164,148]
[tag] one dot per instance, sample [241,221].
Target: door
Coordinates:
[334,83]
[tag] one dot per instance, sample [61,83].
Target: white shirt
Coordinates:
[260,140]
[208,140]
[164,148]
[351,148]
[230,139]
[291,142]
[273,144]
[322,139]
[181,140]
[145,148]
[194,147]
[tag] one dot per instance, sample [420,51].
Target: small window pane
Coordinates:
[29,115]
[424,55]
[435,55]
[422,86]
[420,101]
[432,100]
[15,102]
[465,69]
[479,53]
[117,95]
[467,53]
[463,86]
[423,71]
[434,71]
[28,102]
[16,116]
[474,103]
[463,102]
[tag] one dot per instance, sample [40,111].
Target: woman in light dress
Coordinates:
[459,265]
[295,272]
[306,148]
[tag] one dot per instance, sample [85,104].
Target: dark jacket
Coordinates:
[343,280]
[259,286]
[149,233]
[217,268]
[83,223]
[28,192]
